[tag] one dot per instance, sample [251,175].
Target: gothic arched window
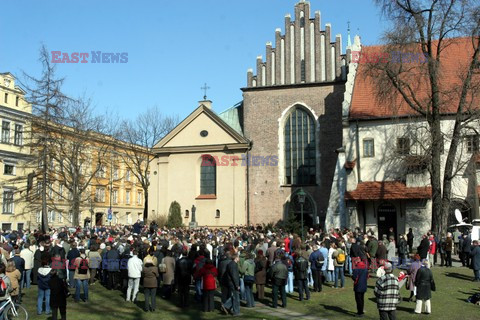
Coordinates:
[208,175]
[300,158]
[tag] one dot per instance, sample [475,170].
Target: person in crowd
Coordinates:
[317,261]
[372,247]
[301,272]
[260,274]
[230,279]
[441,249]
[422,249]
[387,293]
[360,277]
[432,250]
[168,275]
[330,261]
[58,295]
[43,277]
[198,264]
[248,271]
[135,267]
[410,240]
[381,255]
[95,259]
[289,261]
[14,275]
[27,255]
[111,262]
[183,276]
[150,275]
[466,249]
[448,250]
[412,272]
[208,273]
[475,257]
[391,249]
[402,250]
[456,237]
[72,255]
[81,276]
[20,266]
[338,257]
[425,285]
[279,277]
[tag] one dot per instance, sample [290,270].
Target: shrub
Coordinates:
[175,216]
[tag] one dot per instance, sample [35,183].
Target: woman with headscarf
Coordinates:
[412,271]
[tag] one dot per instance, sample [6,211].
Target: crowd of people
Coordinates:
[239,262]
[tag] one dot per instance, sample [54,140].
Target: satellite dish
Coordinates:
[458,216]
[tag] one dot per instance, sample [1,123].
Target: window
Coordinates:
[39,188]
[403,146]
[129,218]
[50,190]
[8,201]
[115,196]
[208,175]
[60,192]
[300,150]
[115,173]
[6,226]
[368,148]
[20,226]
[127,175]
[5,132]
[39,216]
[139,198]
[60,217]
[9,169]
[472,143]
[302,71]
[127,197]
[101,172]
[70,217]
[217,213]
[100,194]
[6,98]
[16,101]
[51,216]
[115,217]
[187,214]
[18,137]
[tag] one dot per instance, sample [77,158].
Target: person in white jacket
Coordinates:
[135,266]
[27,255]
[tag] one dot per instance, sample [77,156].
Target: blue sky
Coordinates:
[173,46]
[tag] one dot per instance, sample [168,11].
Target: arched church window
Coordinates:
[208,175]
[300,155]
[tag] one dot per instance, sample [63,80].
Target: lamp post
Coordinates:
[301,199]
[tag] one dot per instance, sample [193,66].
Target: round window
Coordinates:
[204,133]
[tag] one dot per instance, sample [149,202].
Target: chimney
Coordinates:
[206,103]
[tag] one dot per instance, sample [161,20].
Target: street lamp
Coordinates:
[301,198]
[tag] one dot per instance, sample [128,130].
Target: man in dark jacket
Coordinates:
[279,279]
[72,255]
[300,271]
[183,277]
[111,262]
[467,248]
[231,279]
[360,277]
[316,263]
[422,249]
[475,255]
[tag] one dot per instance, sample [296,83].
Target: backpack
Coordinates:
[301,264]
[258,266]
[340,257]
[83,267]
[3,288]
[320,260]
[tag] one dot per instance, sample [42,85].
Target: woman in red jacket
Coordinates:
[208,274]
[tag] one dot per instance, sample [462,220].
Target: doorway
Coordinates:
[99,218]
[387,218]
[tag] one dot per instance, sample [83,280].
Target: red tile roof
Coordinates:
[388,190]
[366,101]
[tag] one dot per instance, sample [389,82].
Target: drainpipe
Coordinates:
[359,175]
[248,184]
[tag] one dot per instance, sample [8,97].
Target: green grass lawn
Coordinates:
[454,285]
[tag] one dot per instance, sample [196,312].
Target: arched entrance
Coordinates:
[309,211]
[464,208]
[387,218]
[99,218]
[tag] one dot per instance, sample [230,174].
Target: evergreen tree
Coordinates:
[174,216]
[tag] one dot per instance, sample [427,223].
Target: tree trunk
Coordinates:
[435,177]
[145,205]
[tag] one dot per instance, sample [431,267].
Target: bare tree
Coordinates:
[429,27]
[142,134]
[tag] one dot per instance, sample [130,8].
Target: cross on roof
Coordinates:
[205,88]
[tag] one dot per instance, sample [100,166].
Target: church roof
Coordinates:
[367,104]
[387,190]
[231,116]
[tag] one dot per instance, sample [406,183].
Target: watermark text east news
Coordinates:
[92,57]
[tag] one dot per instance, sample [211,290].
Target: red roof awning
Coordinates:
[387,190]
